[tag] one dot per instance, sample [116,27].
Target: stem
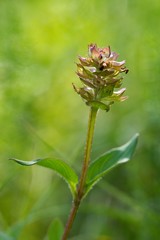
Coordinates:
[91,124]
[80,189]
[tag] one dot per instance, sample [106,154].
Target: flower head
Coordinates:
[100,75]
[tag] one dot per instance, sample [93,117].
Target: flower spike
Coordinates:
[99,74]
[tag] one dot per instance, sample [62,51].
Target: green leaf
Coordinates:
[59,166]
[55,230]
[98,104]
[109,160]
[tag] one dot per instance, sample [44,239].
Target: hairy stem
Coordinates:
[91,124]
[80,189]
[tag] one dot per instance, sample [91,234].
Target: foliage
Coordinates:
[97,168]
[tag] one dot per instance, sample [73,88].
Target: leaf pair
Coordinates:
[96,170]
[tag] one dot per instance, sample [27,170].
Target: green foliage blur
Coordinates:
[42,116]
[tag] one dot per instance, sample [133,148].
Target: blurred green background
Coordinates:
[42,116]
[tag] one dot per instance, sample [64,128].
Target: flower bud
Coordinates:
[99,74]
